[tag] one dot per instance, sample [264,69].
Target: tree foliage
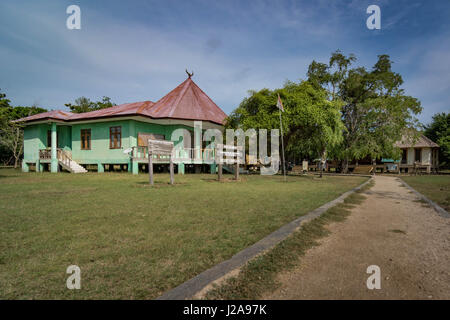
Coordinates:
[11,134]
[311,123]
[375,109]
[83,104]
[439,131]
[345,111]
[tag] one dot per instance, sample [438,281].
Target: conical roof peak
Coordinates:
[187,101]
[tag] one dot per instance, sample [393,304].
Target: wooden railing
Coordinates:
[184,154]
[139,153]
[45,154]
[61,155]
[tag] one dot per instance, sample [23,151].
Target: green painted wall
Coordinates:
[64,137]
[69,139]
[35,138]
[100,151]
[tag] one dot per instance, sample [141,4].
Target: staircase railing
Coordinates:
[64,157]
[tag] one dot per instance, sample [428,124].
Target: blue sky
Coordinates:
[138,50]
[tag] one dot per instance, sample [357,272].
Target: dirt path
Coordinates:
[409,241]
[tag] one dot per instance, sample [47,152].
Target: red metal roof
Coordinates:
[187,101]
[126,109]
[55,115]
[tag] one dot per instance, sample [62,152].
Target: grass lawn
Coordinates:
[132,241]
[436,188]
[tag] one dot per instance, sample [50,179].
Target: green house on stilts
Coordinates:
[117,137]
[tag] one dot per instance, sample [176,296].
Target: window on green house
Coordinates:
[115,135]
[85,139]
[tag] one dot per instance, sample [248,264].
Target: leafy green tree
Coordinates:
[4,103]
[439,131]
[375,109]
[83,104]
[311,122]
[11,134]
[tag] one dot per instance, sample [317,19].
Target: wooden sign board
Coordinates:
[159,148]
[143,138]
[233,154]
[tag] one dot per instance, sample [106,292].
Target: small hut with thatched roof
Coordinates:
[418,153]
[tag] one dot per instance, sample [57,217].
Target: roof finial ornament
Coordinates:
[190,74]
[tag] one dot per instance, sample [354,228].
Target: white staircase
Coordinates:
[68,164]
[74,167]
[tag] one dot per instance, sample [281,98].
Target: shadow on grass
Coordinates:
[159,184]
[224,180]
[9,176]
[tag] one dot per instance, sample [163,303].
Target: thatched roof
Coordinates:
[411,141]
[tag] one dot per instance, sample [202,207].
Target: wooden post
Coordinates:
[217,156]
[150,167]
[171,170]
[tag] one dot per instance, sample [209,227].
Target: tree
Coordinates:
[375,109]
[12,140]
[11,133]
[4,103]
[83,104]
[311,123]
[439,131]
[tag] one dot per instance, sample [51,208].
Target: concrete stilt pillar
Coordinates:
[135,167]
[54,163]
[100,167]
[25,167]
[181,168]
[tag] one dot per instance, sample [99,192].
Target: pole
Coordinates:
[171,170]
[150,167]
[282,146]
